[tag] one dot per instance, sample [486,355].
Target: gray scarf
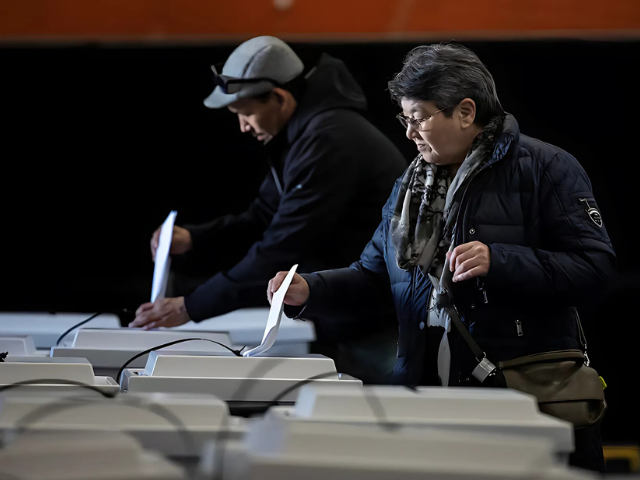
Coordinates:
[428,202]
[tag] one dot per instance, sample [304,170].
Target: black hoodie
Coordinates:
[332,172]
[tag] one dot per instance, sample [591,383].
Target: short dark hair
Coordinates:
[264,97]
[447,73]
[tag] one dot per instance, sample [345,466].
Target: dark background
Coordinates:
[101,142]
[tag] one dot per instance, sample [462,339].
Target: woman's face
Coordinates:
[440,139]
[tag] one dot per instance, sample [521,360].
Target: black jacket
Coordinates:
[529,205]
[335,170]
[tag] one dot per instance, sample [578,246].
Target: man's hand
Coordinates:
[180,242]
[469,260]
[298,292]
[167,312]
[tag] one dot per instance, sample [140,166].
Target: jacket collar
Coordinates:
[509,136]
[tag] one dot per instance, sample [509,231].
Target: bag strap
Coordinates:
[485,369]
[582,338]
[444,300]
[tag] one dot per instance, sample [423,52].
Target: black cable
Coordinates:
[237,353]
[76,326]
[56,381]
[299,384]
[377,410]
[260,370]
[221,438]
[242,390]
[51,408]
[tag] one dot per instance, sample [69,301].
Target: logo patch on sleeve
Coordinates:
[593,213]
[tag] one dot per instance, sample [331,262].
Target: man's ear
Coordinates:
[285,99]
[281,96]
[467,112]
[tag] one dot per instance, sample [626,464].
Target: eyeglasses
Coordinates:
[416,123]
[231,85]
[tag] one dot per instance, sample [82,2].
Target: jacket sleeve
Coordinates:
[228,238]
[578,257]
[346,301]
[316,189]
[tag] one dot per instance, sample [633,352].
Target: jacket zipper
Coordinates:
[276,180]
[519,328]
[480,282]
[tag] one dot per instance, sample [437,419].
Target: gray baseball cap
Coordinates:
[255,67]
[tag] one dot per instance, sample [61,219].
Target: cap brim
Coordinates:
[219,99]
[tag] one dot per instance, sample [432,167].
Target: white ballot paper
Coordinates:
[163,261]
[275,314]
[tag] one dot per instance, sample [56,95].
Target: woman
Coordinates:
[513,218]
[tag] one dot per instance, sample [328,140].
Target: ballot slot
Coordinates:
[275,448]
[177,425]
[246,327]
[246,383]
[486,411]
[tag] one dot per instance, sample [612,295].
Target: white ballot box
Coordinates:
[83,456]
[50,374]
[276,449]
[46,328]
[249,384]
[483,410]
[109,349]
[20,346]
[176,425]
[246,327]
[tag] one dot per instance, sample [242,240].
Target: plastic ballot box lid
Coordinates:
[18,345]
[139,340]
[469,409]
[165,365]
[83,456]
[108,349]
[274,448]
[175,424]
[232,378]
[45,371]
[46,328]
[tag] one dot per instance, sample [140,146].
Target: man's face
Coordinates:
[262,119]
[440,139]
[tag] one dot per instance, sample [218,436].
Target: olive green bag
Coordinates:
[562,381]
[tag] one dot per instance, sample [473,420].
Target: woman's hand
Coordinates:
[469,260]
[298,292]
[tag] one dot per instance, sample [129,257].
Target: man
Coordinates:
[331,171]
[511,219]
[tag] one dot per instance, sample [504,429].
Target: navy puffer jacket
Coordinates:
[533,205]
